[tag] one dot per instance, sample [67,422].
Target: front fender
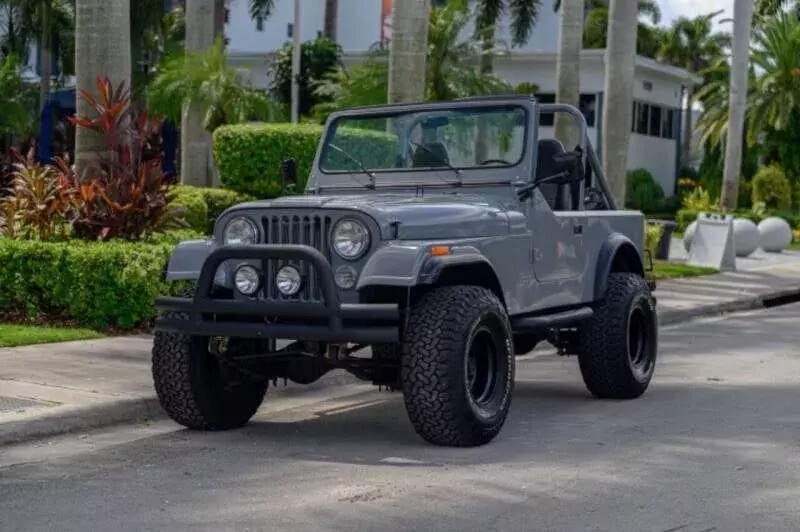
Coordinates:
[187,259]
[618,253]
[411,264]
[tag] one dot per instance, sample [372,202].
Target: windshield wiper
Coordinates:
[441,160]
[371,184]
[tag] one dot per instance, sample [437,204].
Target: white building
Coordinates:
[658,91]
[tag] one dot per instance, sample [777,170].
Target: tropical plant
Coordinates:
[122,194]
[18,109]
[772,188]
[693,44]
[318,58]
[452,59]
[595,30]
[206,80]
[523,17]
[407,50]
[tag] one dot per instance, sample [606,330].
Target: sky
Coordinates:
[672,9]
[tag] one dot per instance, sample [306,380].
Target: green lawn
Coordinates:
[17,335]
[663,269]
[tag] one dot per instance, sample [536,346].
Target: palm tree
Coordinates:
[648,37]
[331,19]
[693,45]
[102,48]
[568,76]
[524,14]
[742,21]
[48,23]
[408,50]
[618,104]
[196,142]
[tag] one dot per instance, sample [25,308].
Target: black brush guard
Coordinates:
[327,321]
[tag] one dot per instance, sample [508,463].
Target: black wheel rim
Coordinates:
[482,361]
[640,345]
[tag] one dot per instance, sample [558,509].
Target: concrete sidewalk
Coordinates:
[50,389]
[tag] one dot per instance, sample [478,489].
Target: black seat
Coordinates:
[546,166]
[430,155]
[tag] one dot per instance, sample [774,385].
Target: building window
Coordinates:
[668,124]
[655,121]
[587,105]
[642,118]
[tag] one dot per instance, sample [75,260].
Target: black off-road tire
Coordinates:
[618,347]
[190,387]
[443,326]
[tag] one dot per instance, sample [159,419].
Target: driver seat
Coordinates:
[431,155]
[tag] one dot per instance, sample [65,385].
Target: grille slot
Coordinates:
[304,229]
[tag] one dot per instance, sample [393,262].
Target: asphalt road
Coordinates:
[713,446]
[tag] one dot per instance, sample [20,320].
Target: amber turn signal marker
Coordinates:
[438,251]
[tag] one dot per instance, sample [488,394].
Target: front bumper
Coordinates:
[329,320]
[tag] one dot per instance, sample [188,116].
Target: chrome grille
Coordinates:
[304,229]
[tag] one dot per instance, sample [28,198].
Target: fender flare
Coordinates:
[618,253]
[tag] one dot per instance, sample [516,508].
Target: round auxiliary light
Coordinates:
[345,277]
[288,280]
[247,280]
[350,239]
[240,232]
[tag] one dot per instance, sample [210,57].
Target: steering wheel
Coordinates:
[487,161]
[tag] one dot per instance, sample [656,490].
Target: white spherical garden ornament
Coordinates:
[688,235]
[776,234]
[745,237]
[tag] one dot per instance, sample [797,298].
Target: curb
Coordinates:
[67,420]
[753,302]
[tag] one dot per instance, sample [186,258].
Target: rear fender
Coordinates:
[618,254]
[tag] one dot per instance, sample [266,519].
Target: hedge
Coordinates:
[96,284]
[203,205]
[248,156]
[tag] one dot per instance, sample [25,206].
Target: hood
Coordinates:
[437,216]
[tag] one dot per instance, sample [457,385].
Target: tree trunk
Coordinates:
[195,140]
[618,106]
[46,55]
[686,149]
[219,18]
[331,19]
[102,48]
[408,50]
[734,145]
[568,69]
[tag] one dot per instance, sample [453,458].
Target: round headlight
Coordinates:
[240,232]
[350,239]
[247,280]
[345,277]
[288,280]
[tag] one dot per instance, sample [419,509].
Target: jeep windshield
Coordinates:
[414,142]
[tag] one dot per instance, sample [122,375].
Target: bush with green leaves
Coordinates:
[318,59]
[249,156]
[771,186]
[96,284]
[203,205]
[643,191]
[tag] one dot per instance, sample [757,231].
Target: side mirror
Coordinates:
[288,174]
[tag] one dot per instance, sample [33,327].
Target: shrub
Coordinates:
[771,186]
[643,191]
[122,192]
[248,156]
[652,237]
[204,205]
[96,284]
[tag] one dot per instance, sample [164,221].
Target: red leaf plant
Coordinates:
[122,193]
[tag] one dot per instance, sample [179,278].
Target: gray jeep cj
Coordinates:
[448,238]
